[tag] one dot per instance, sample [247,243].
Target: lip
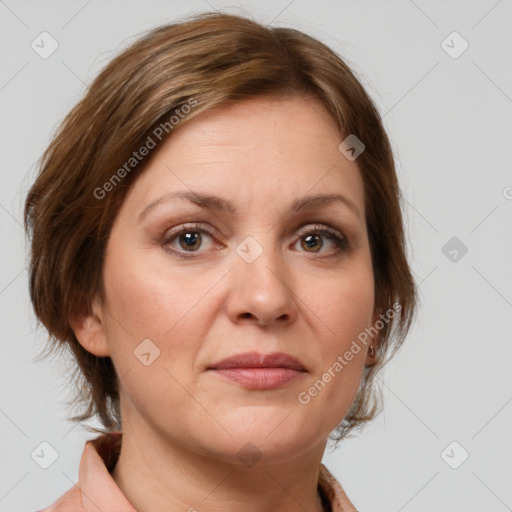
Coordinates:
[257,360]
[253,370]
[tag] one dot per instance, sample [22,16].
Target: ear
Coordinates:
[90,331]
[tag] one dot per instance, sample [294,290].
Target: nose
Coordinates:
[261,292]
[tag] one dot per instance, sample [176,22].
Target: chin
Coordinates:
[267,439]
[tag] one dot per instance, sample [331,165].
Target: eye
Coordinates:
[312,239]
[185,239]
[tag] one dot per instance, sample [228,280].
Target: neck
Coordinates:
[158,475]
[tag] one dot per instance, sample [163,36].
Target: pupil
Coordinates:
[190,239]
[311,240]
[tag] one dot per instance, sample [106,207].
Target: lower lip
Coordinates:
[259,378]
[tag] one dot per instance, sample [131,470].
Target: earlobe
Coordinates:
[89,329]
[371,354]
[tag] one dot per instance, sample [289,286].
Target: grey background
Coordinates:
[450,122]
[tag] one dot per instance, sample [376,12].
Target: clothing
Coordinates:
[96,490]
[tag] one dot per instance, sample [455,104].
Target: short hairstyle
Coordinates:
[205,60]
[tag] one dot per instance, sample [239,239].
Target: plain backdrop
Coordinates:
[443,442]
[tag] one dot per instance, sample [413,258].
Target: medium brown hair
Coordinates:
[210,59]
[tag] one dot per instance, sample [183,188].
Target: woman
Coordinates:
[217,236]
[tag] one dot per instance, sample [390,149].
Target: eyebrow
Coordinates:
[216,203]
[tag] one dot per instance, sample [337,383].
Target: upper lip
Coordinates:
[257,360]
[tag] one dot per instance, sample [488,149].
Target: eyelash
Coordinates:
[341,243]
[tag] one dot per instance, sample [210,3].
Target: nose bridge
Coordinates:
[261,289]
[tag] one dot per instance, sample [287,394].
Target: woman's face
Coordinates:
[188,285]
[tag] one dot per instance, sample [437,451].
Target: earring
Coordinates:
[371,352]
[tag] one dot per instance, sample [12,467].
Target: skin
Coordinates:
[182,424]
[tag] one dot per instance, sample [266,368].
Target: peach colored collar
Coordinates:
[97,491]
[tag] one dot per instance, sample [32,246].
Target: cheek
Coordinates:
[150,300]
[144,299]
[345,311]
[151,334]
[347,306]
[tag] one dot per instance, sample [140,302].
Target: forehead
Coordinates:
[262,151]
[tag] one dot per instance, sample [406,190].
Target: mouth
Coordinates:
[253,370]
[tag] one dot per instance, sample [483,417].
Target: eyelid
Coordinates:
[190,226]
[320,226]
